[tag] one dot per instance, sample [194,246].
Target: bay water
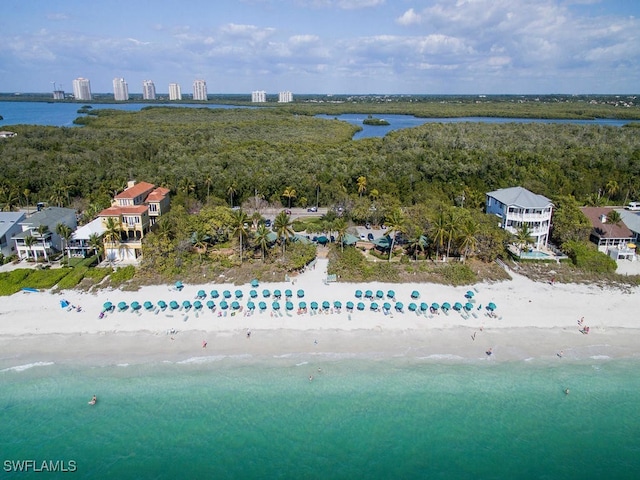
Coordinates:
[357,417]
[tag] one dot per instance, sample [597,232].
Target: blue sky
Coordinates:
[325,46]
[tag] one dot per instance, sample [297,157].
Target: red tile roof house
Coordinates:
[136,211]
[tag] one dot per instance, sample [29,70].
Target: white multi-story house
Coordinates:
[148,90]
[200,90]
[9,226]
[174,91]
[120,90]
[38,238]
[259,96]
[517,206]
[285,97]
[82,89]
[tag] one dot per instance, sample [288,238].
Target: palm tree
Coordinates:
[362,184]
[340,227]
[523,236]
[439,231]
[262,238]
[240,219]
[231,191]
[65,233]
[289,193]
[418,243]
[27,194]
[469,236]
[282,224]
[395,224]
[208,181]
[95,242]
[29,241]
[612,188]
[453,224]
[112,231]
[614,219]
[10,201]
[42,232]
[200,242]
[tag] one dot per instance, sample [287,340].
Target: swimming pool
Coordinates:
[536,255]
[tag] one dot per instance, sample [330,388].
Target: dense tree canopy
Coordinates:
[238,154]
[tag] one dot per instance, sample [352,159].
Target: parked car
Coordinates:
[267,223]
[312,209]
[370,237]
[287,211]
[633,206]
[367,226]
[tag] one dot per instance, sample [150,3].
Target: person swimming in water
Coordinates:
[93,400]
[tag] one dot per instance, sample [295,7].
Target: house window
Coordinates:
[132,221]
[153,207]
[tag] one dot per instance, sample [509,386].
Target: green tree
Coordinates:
[362,184]
[262,238]
[439,230]
[43,232]
[200,242]
[469,236]
[27,194]
[231,191]
[612,188]
[65,233]
[340,227]
[112,232]
[395,224]
[452,225]
[240,222]
[614,219]
[283,227]
[569,223]
[289,193]
[29,242]
[95,242]
[523,236]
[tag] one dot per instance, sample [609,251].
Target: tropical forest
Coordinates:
[425,186]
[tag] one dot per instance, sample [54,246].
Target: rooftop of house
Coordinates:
[116,211]
[8,220]
[93,227]
[520,197]
[158,194]
[630,219]
[135,190]
[49,216]
[603,229]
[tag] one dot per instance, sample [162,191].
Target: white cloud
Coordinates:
[57,16]
[410,17]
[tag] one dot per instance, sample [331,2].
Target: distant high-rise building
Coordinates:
[120,90]
[200,90]
[148,90]
[285,97]
[259,96]
[58,94]
[174,91]
[81,89]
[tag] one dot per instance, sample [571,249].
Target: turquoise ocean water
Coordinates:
[358,418]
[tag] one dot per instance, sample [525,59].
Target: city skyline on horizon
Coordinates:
[412,47]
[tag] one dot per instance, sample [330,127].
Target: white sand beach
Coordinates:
[532,320]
